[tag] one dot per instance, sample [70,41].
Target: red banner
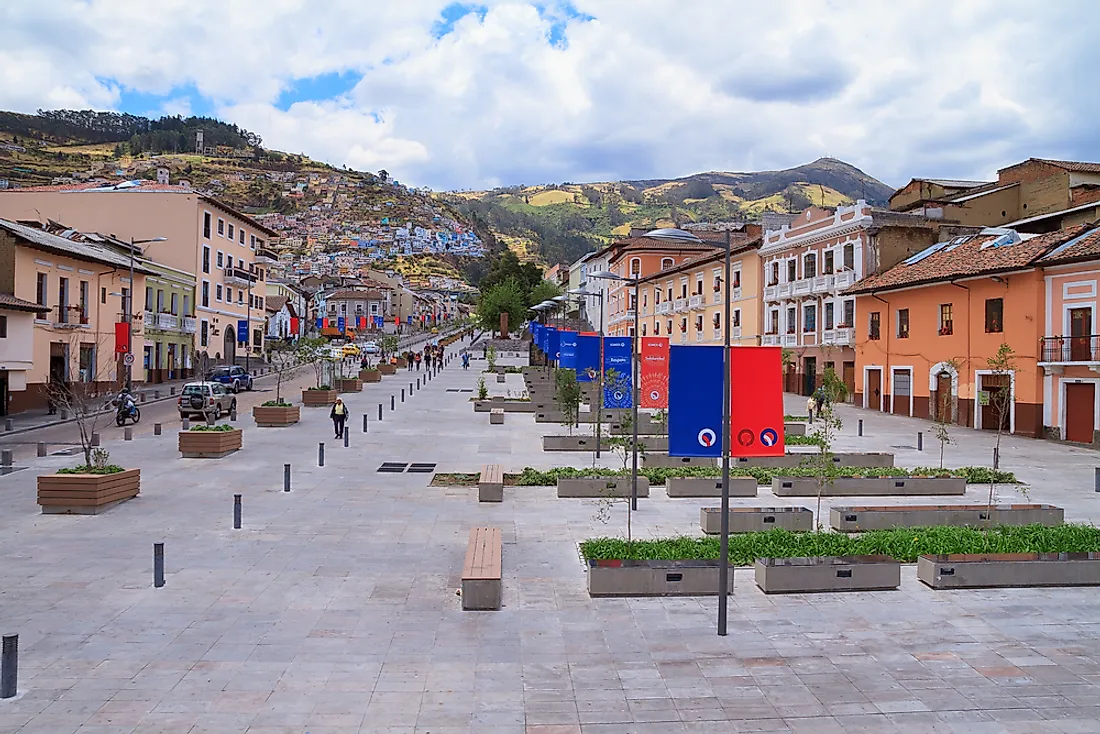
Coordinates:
[294,325]
[122,338]
[756,401]
[654,372]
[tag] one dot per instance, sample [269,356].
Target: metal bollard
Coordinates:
[9,425]
[41,449]
[920,441]
[171,391]
[64,414]
[411,387]
[811,416]
[347,435]
[860,429]
[186,425]
[380,411]
[6,457]
[158,565]
[286,477]
[156,395]
[321,454]
[236,512]
[157,429]
[142,396]
[391,402]
[9,666]
[417,383]
[211,419]
[128,433]
[364,423]
[233,414]
[96,440]
[402,395]
[996,457]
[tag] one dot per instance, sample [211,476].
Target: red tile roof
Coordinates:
[9,302]
[1084,246]
[1076,166]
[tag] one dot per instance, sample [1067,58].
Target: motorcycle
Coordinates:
[126,409]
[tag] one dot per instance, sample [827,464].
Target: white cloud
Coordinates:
[628,90]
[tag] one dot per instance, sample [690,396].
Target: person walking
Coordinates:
[418,358]
[339,415]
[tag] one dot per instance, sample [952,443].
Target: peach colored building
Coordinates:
[79,290]
[227,250]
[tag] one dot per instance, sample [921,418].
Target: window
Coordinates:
[736,279]
[252,241]
[43,290]
[829,309]
[83,301]
[666,263]
[257,337]
[684,289]
[102,295]
[635,267]
[809,266]
[3,327]
[240,296]
[218,292]
[717,283]
[792,320]
[994,315]
[669,327]
[683,325]
[643,329]
[736,318]
[126,298]
[205,259]
[827,263]
[206,225]
[699,287]
[63,300]
[773,322]
[874,328]
[175,304]
[946,326]
[87,363]
[656,328]
[221,228]
[186,304]
[230,231]
[670,293]
[699,323]
[717,320]
[656,296]
[849,256]
[241,239]
[792,270]
[774,279]
[849,314]
[809,318]
[903,323]
[221,260]
[206,293]
[204,333]
[148,298]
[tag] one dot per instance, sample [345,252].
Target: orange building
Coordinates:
[927,327]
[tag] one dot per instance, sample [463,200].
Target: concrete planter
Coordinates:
[370,375]
[276,416]
[549,416]
[794,459]
[754,519]
[655,578]
[209,444]
[965,571]
[86,494]
[664,461]
[869,486]
[600,487]
[859,519]
[588,443]
[496,417]
[508,406]
[795,429]
[318,398]
[500,377]
[828,573]
[351,385]
[709,487]
[387,369]
[644,429]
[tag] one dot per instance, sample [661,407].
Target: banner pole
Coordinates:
[634,400]
[724,542]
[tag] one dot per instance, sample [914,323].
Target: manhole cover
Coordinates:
[421,468]
[392,467]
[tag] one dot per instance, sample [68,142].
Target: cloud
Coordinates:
[472,94]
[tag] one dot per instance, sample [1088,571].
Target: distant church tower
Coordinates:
[198,142]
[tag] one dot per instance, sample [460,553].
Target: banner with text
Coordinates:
[552,343]
[654,372]
[588,358]
[756,401]
[567,350]
[695,401]
[617,386]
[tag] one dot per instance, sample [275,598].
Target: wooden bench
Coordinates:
[496,416]
[490,486]
[481,572]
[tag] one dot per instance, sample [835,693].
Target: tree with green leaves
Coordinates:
[569,396]
[1002,365]
[508,297]
[544,291]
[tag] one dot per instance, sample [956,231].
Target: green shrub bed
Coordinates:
[904,544]
[223,428]
[83,469]
[549,477]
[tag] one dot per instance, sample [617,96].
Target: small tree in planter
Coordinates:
[491,356]
[388,344]
[314,352]
[569,396]
[286,361]
[86,401]
[826,426]
[482,391]
[623,445]
[1002,364]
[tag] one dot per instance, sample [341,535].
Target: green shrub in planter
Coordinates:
[223,428]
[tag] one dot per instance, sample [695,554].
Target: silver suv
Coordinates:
[205,398]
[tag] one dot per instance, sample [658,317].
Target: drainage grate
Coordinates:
[392,467]
[453,389]
[421,468]
[470,390]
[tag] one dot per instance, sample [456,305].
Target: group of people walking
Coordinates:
[431,356]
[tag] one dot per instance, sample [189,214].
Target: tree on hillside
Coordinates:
[507,296]
[508,267]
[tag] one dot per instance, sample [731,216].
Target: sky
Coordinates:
[477,95]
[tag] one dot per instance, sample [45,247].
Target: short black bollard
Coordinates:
[9,425]
[127,434]
[9,666]
[233,414]
[6,457]
[286,477]
[996,457]
[920,441]
[156,395]
[64,415]
[158,565]
[157,429]
[186,425]
[236,512]
[347,436]
[171,391]
[41,449]
[364,423]
[402,395]
[142,397]
[417,383]
[391,402]
[211,419]
[860,429]
[321,454]
[411,387]
[810,413]
[380,411]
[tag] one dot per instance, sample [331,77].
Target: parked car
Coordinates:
[350,350]
[205,398]
[233,377]
[372,348]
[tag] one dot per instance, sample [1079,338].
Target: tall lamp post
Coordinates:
[130,309]
[599,387]
[682,236]
[633,282]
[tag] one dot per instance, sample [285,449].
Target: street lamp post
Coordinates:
[130,310]
[599,386]
[679,235]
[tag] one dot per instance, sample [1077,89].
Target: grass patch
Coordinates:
[549,477]
[812,440]
[465,479]
[796,418]
[904,544]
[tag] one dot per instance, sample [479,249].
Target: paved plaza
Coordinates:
[334,609]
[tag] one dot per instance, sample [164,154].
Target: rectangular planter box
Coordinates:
[709,487]
[754,519]
[387,369]
[352,385]
[496,417]
[869,487]
[318,398]
[795,429]
[644,429]
[588,443]
[209,444]
[600,488]
[976,571]
[500,377]
[370,375]
[876,460]
[509,406]
[274,416]
[828,573]
[86,494]
[664,461]
[655,578]
[859,519]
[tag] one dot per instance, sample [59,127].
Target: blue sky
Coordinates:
[472,95]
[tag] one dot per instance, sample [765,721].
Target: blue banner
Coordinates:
[553,344]
[242,331]
[588,358]
[567,350]
[695,378]
[617,356]
[378,322]
[320,323]
[536,335]
[340,323]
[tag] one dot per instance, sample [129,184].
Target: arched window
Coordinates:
[666,263]
[635,267]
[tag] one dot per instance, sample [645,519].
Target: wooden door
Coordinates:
[809,375]
[996,386]
[1080,411]
[901,388]
[850,377]
[943,399]
[874,389]
[1080,330]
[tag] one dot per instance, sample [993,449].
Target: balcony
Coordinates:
[239,277]
[770,340]
[802,287]
[696,301]
[844,279]
[699,335]
[771,293]
[790,340]
[680,304]
[735,332]
[736,295]
[718,335]
[1057,352]
[664,308]
[167,321]
[823,283]
[783,290]
[265,257]
[189,325]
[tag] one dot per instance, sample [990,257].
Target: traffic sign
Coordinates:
[128,360]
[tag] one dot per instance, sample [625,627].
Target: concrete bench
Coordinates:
[490,486]
[481,572]
[496,417]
